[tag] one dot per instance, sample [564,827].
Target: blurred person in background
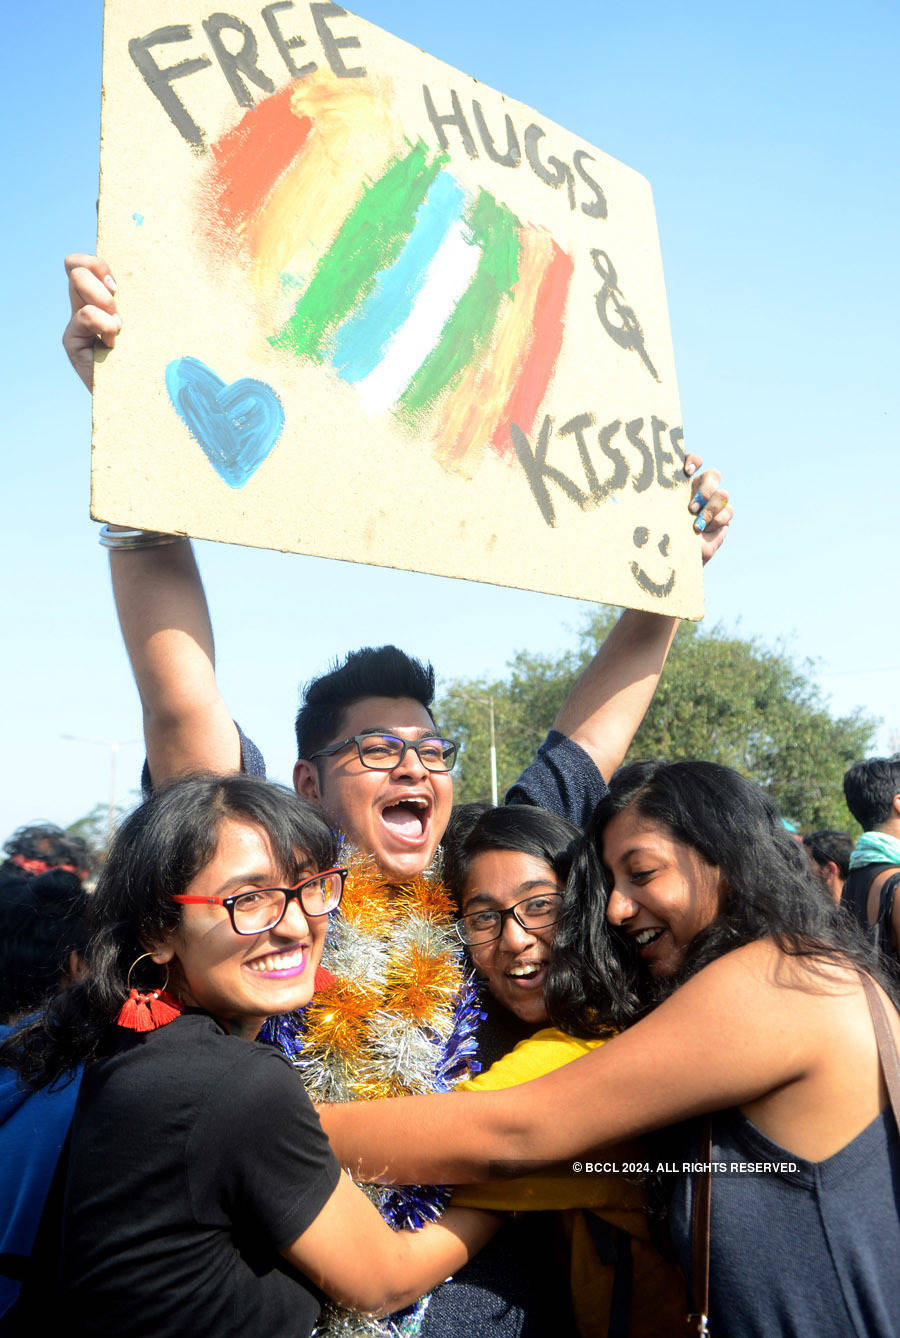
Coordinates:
[43,935]
[40,847]
[829,854]
[872,792]
[42,938]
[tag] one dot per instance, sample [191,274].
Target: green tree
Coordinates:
[722,698]
[93,827]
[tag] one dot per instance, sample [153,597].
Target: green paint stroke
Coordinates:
[496,231]
[371,238]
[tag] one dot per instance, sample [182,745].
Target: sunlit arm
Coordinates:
[604,709]
[352,1255]
[723,1039]
[166,628]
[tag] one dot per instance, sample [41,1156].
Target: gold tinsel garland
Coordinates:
[377,1031]
[397,1019]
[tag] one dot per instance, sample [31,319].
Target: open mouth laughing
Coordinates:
[408,818]
[527,975]
[644,937]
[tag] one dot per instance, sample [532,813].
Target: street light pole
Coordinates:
[494,795]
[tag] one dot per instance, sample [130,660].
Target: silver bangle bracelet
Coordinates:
[135,538]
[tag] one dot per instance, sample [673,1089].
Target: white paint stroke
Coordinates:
[448,276]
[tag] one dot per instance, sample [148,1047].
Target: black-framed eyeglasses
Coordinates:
[538,912]
[263,908]
[384,752]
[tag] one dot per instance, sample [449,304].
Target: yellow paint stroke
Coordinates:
[355,132]
[471,414]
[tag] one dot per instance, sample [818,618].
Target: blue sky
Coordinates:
[768,133]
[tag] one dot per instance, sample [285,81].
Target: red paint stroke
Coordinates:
[250,158]
[531,387]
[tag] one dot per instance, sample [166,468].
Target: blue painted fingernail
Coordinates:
[700,524]
[698,503]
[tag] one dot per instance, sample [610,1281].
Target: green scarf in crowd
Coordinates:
[875,848]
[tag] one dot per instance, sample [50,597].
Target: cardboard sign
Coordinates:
[377,311]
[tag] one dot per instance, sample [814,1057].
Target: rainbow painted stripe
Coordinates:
[441,307]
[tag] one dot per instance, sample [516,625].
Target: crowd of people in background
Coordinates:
[613,1053]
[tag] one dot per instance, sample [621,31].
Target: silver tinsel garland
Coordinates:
[407,1052]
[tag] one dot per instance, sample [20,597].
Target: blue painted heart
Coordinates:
[237,426]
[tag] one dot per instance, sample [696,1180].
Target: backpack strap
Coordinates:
[701,1195]
[885,921]
[887,1046]
[880,929]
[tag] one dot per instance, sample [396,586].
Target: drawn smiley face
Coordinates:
[641,537]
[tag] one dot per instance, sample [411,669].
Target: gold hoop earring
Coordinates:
[145,1011]
[160,989]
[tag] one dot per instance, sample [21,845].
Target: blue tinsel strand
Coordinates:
[459,1055]
[283,1031]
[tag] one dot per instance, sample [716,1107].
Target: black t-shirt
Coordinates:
[196,1157]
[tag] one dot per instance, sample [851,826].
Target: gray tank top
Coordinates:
[811,1250]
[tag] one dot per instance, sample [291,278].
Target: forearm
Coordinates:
[424,1259]
[165,624]
[359,1261]
[726,1037]
[455,1138]
[604,709]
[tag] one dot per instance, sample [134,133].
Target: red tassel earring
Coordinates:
[145,1011]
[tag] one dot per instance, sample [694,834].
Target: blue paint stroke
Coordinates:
[360,342]
[237,426]
[138,218]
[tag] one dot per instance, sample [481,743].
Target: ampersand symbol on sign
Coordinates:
[627,332]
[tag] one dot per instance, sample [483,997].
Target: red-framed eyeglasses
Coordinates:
[263,908]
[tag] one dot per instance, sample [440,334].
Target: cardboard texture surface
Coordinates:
[374,310]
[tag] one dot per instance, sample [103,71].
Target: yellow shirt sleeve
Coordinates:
[541,1053]
[618,1199]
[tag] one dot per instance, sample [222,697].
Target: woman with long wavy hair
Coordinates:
[695,936]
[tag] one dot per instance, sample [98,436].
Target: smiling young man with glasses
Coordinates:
[370,755]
